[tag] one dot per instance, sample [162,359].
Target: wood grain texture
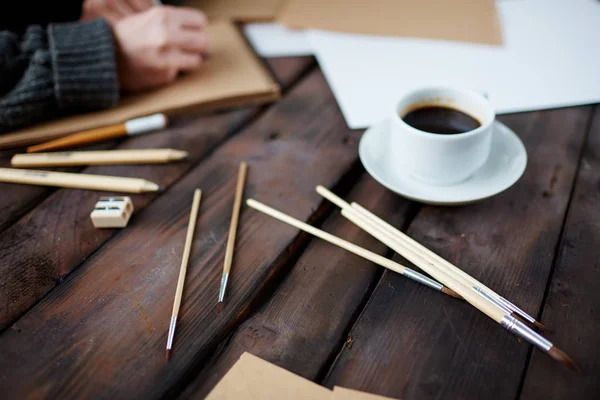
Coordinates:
[303,324]
[105,325]
[573,301]
[411,344]
[41,248]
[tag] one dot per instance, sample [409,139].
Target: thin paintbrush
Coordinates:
[235,215]
[359,251]
[429,255]
[470,294]
[184,262]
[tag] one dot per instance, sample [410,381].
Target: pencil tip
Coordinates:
[452,293]
[168,354]
[219,306]
[563,358]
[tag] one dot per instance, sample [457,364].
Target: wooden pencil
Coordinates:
[77,181]
[106,157]
[183,268]
[235,215]
[131,127]
[351,247]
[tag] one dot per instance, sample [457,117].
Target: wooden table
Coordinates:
[84,313]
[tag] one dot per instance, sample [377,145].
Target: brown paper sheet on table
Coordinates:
[340,393]
[231,76]
[254,378]
[240,10]
[459,20]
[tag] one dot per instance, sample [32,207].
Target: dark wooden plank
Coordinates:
[46,244]
[411,344]
[105,327]
[286,68]
[573,302]
[18,200]
[303,325]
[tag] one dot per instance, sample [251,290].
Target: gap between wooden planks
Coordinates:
[573,301]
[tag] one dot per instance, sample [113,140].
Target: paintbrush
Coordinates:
[429,255]
[500,314]
[182,270]
[351,247]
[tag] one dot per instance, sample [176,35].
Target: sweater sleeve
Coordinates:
[56,70]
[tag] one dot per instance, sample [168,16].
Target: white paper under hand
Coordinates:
[274,40]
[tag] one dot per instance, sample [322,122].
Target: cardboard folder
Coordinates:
[254,378]
[456,20]
[240,10]
[230,76]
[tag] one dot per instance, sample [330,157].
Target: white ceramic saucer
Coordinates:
[503,168]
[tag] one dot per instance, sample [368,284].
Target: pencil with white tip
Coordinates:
[132,127]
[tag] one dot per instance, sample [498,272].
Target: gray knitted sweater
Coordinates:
[56,70]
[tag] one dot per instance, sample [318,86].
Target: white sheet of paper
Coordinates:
[271,39]
[550,59]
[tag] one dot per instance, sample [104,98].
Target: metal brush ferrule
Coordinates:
[171,333]
[516,309]
[489,298]
[224,279]
[415,276]
[520,329]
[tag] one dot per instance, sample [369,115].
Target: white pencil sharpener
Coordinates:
[112,212]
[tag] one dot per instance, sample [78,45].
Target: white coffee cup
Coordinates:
[441,159]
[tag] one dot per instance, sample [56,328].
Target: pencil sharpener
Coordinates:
[112,212]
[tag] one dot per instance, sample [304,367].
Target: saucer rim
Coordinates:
[438,201]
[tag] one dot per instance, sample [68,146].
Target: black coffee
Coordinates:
[442,120]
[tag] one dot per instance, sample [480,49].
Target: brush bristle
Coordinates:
[452,293]
[561,356]
[168,354]
[219,306]
[541,326]
[529,324]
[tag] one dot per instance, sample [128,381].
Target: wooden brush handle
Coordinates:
[351,247]
[81,138]
[187,249]
[235,215]
[491,310]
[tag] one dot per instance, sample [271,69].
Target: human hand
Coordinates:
[113,10]
[157,44]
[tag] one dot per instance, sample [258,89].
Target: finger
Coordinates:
[183,61]
[187,17]
[120,7]
[111,16]
[140,5]
[190,40]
